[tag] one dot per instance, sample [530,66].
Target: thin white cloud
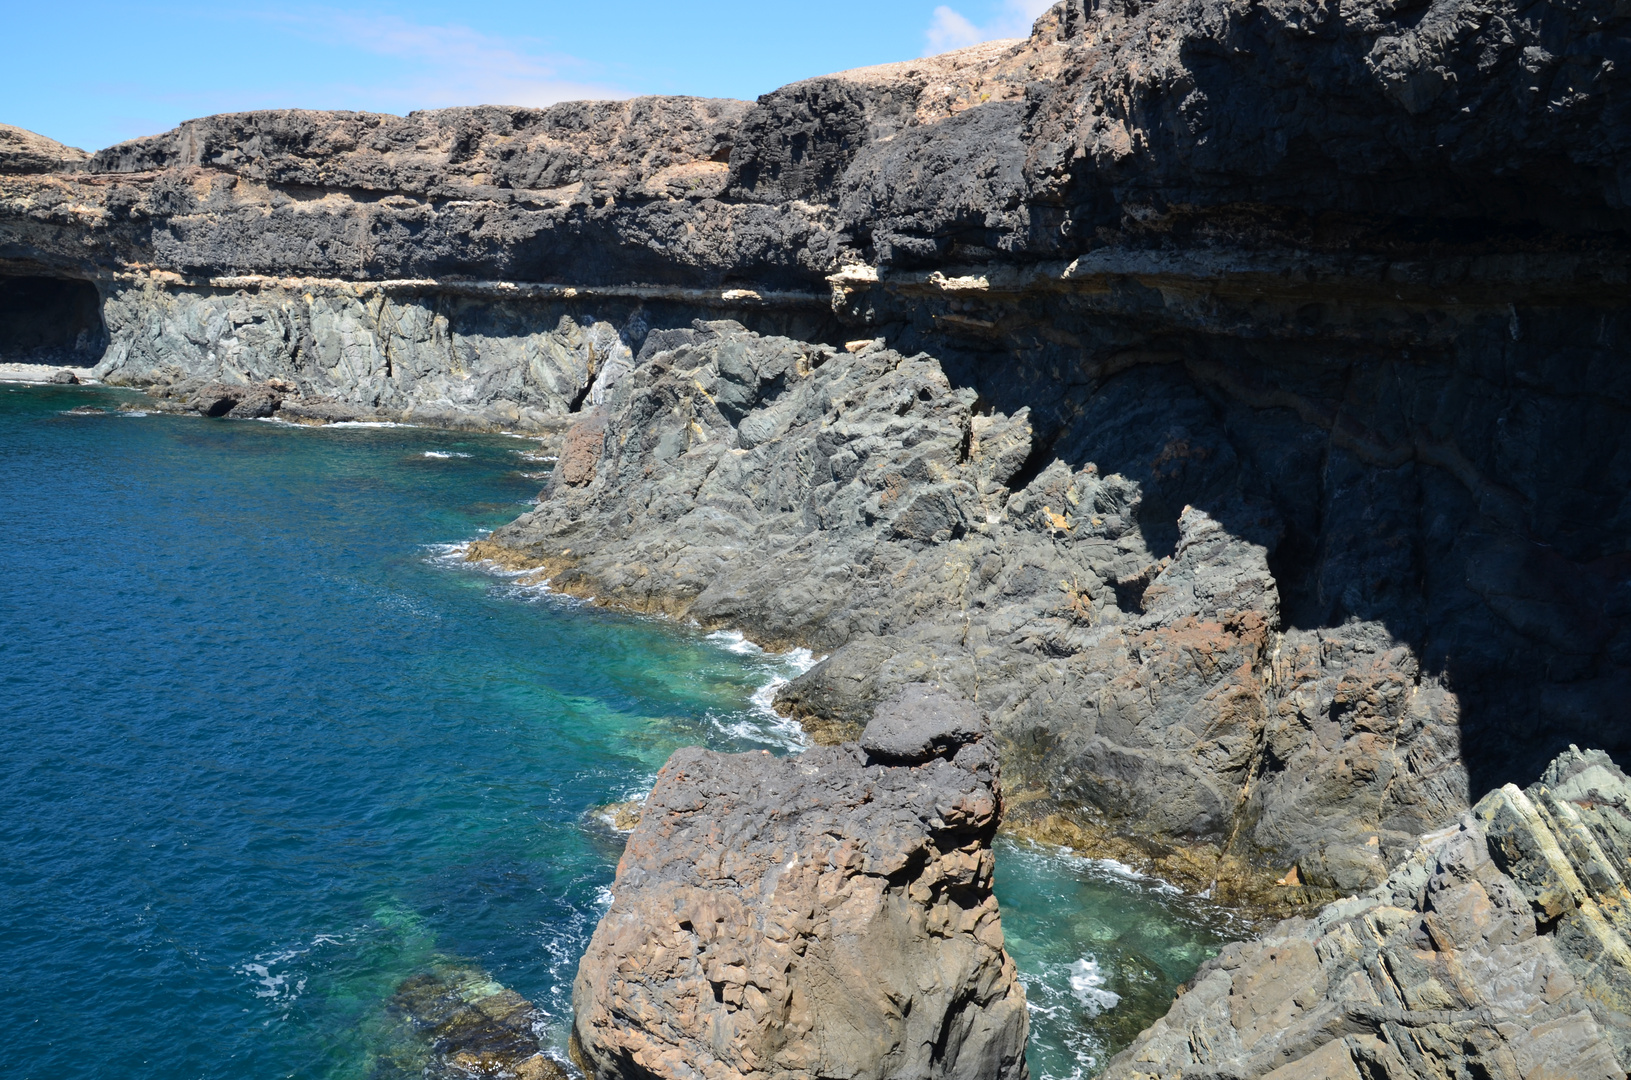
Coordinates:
[447,64]
[951,29]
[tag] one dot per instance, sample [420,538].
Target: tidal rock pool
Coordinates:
[1101,949]
[279,768]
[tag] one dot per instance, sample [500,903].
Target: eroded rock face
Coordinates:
[820,915]
[1270,489]
[1498,949]
[858,503]
[479,358]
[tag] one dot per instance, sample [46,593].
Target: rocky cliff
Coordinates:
[1229,397]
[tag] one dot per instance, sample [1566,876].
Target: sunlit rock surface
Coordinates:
[824,914]
[1230,398]
[1498,948]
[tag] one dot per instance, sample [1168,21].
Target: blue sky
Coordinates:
[94,73]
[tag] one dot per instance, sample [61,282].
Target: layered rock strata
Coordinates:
[826,914]
[1235,409]
[1497,949]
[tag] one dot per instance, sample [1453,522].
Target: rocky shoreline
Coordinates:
[1227,401]
[1498,948]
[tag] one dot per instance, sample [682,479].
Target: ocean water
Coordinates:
[268,747]
[1101,949]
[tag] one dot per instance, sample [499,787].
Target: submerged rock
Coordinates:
[819,915]
[1499,948]
[472,1028]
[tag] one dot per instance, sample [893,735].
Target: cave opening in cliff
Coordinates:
[50,320]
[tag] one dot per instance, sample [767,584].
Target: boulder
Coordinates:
[251,401]
[819,915]
[919,723]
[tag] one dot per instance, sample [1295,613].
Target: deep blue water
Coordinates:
[267,748]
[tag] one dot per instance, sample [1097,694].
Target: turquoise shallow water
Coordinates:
[267,749]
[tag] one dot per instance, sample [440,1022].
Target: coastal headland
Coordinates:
[1225,402]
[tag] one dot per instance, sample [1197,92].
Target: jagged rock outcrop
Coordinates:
[1235,410]
[824,914]
[859,503]
[1291,340]
[1497,949]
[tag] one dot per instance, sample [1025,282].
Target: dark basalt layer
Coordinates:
[1236,407]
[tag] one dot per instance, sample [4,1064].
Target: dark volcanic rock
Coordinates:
[809,916]
[25,152]
[243,402]
[1497,949]
[1237,410]
[852,501]
[920,723]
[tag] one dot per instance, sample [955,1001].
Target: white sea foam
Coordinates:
[443,455]
[761,722]
[1106,867]
[784,729]
[368,424]
[279,977]
[733,641]
[1087,983]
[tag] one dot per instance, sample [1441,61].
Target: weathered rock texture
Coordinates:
[25,152]
[472,355]
[1497,949]
[827,914]
[1245,428]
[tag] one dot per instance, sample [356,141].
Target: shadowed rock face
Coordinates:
[45,320]
[1237,411]
[825,914]
[1498,948]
